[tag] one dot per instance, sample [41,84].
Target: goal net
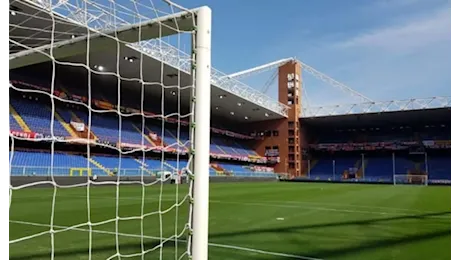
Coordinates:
[105,98]
[410,179]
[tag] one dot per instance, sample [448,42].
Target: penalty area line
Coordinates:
[252,250]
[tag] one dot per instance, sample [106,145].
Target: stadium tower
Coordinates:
[283,137]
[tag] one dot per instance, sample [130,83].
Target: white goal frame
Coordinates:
[408,178]
[201,138]
[200,103]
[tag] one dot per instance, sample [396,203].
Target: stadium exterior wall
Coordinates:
[279,125]
[46,181]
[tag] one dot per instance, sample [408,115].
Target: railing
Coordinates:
[65,171]
[246,174]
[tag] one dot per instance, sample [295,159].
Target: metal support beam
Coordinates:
[259,69]
[152,29]
[325,78]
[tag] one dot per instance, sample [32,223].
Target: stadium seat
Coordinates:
[14,126]
[38,117]
[124,165]
[105,126]
[403,165]
[379,169]
[243,170]
[323,170]
[439,168]
[39,163]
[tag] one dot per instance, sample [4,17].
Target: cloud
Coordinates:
[386,50]
[409,37]
[394,3]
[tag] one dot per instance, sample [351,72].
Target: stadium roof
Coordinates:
[30,27]
[394,118]
[378,107]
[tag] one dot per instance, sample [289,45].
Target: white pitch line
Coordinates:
[179,240]
[293,204]
[349,205]
[323,209]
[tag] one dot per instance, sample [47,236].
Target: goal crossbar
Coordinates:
[153,29]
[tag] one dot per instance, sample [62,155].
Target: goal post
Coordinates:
[201,138]
[410,179]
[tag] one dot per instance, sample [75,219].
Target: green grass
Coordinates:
[323,221]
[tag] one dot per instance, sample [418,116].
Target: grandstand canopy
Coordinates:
[398,118]
[30,26]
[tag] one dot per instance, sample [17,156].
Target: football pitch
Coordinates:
[247,221]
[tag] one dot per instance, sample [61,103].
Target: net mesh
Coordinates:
[410,179]
[110,76]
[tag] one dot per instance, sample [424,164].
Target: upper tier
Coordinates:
[35,115]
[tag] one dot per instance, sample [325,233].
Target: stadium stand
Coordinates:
[105,128]
[379,169]
[375,147]
[14,125]
[346,164]
[322,170]
[34,111]
[37,116]
[39,163]
[440,168]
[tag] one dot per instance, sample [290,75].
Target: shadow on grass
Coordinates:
[358,248]
[338,253]
[383,243]
[78,252]
[296,228]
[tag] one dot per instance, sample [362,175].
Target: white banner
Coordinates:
[153,136]
[80,127]
[428,143]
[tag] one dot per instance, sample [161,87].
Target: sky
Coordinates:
[384,49]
